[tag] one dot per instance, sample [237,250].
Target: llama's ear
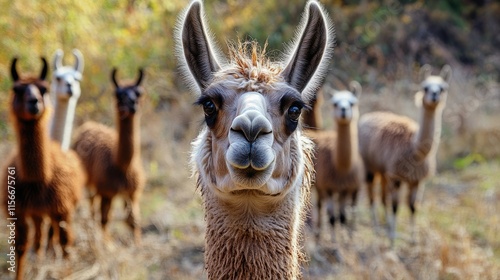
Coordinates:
[57,63]
[113,77]
[197,52]
[79,62]
[13,70]
[425,71]
[308,61]
[446,73]
[45,69]
[139,79]
[419,97]
[355,88]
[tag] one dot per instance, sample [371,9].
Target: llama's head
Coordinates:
[250,146]
[434,88]
[345,103]
[66,79]
[28,103]
[127,96]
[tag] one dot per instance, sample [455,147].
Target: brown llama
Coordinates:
[401,150]
[47,181]
[112,159]
[338,165]
[253,165]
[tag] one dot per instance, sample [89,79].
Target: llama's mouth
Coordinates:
[253,193]
[250,178]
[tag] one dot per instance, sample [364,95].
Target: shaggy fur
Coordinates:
[338,165]
[48,181]
[400,150]
[65,92]
[112,159]
[254,167]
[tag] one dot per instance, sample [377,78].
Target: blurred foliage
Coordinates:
[388,38]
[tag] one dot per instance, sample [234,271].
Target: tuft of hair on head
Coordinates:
[251,62]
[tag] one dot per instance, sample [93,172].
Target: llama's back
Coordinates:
[96,144]
[384,138]
[329,179]
[59,195]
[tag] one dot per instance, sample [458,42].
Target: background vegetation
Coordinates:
[380,43]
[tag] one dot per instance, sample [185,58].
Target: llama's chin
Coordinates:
[250,178]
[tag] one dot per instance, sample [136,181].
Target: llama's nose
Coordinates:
[70,90]
[251,124]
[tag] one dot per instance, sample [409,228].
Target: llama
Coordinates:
[65,91]
[48,181]
[253,165]
[400,150]
[338,165]
[112,159]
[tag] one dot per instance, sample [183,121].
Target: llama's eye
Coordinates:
[209,108]
[42,90]
[294,112]
[58,79]
[426,89]
[335,104]
[441,90]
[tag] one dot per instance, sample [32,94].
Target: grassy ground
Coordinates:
[457,238]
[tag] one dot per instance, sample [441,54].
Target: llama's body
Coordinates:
[338,165]
[112,159]
[254,166]
[402,151]
[48,181]
[65,92]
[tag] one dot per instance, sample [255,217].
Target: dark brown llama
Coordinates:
[48,181]
[112,159]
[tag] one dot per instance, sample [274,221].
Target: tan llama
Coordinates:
[338,165]
[48,182]
[112,158]
[401,150]
[253,165]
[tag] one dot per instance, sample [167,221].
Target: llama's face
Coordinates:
[127,97]
[28,102]
[66,83]
[251,145]
[345,106]
[434,89]
[66,79]
[251,131]
[127,100]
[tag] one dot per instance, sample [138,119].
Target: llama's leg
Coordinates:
[394,186]
[354,209]
[412,197]
[133,219]
[105,207]
[39,235]
[22,245]
[330,209]
[319,217]
[342,206]
[370,184]
[66,236]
